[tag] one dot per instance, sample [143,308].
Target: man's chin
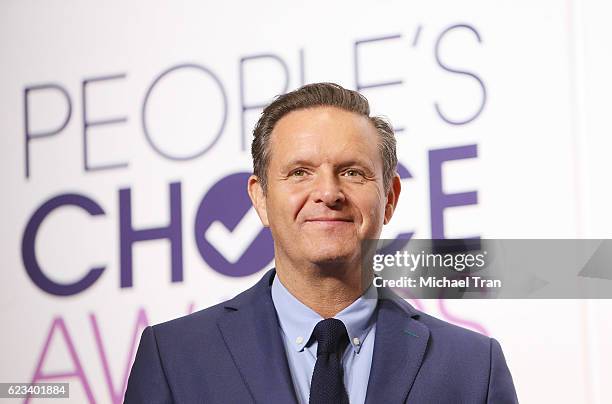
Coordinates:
[334,260]
[332,252]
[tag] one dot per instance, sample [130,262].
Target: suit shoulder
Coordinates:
[437,325]
[206,317]
[440,329]
[200,322]
[453,338]
[203,323]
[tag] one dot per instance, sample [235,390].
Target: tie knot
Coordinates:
[331,336]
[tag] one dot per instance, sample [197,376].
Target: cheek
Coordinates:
[373,210]
[288,203]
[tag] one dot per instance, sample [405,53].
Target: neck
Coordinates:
[326,289]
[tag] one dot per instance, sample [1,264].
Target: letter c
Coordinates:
[28,242]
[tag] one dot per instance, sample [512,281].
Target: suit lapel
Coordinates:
[250,330]
[399,349]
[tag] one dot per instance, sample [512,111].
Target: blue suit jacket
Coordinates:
[233,353]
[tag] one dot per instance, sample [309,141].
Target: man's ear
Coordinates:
[258,198]
[392,197]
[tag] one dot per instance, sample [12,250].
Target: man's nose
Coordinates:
[328,189]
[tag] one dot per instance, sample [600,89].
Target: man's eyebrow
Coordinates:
[355,162]
[348,163]
[296,162]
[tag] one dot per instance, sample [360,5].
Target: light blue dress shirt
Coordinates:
[297,322]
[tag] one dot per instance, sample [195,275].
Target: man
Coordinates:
[311,331]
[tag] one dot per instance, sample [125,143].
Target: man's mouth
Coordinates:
[328,222]
[328,219]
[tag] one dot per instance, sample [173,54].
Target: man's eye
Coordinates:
[298,173]
[352,173]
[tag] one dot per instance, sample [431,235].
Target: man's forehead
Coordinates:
[314,128]
[323,114]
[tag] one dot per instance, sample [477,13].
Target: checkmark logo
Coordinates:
[228,232]
[233,243]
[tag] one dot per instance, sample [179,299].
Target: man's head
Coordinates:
[324,174]
[316,95]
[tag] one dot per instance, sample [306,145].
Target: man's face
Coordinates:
[325,186]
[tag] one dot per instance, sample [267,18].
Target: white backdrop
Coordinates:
[128,116]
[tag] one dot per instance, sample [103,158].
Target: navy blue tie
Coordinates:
[327,386]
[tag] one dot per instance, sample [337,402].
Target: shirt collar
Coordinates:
[298,320]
